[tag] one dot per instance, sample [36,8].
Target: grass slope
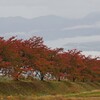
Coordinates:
[42,88]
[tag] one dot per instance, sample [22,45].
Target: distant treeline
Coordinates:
[18,56]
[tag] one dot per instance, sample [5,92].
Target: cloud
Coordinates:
[96,25]
[65,8]
[79,27]
[64,41]
[92,53]
[20,35]
[23,11]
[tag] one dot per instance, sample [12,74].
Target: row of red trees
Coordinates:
[15,53]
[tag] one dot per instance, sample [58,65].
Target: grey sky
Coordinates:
[35,8]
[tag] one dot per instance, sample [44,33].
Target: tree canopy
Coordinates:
[34,54]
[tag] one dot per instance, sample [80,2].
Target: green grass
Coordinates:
[42,88]
[85,94]
[51,90]
[52,97]
[48,90]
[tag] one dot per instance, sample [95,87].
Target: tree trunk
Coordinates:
[59,79]
[83,80]
[42,77]
[74,79]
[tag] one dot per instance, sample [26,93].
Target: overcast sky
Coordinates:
[64,8]
[35,8]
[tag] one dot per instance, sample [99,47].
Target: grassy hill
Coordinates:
[41,88]
[49,90]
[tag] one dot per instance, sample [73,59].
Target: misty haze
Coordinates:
[82,34]
[49,49]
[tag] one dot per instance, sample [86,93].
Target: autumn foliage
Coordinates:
[34,55]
